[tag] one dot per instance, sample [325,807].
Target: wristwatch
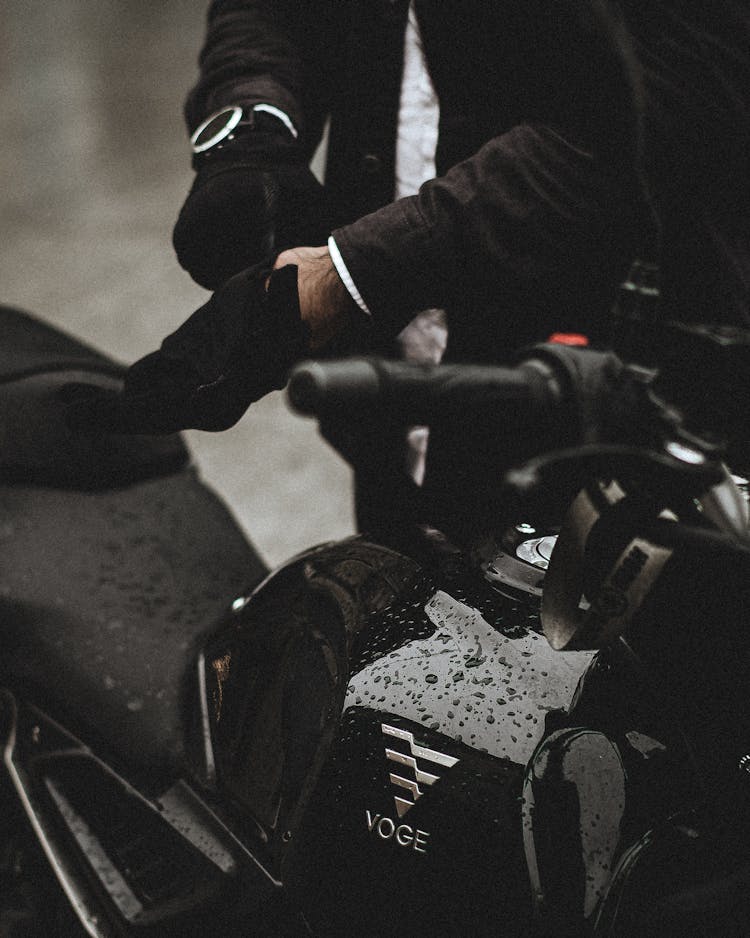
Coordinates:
[224,125]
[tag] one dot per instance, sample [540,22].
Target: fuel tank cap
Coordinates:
[518,567]
[537,550]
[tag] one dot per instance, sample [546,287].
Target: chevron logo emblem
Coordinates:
[410,773]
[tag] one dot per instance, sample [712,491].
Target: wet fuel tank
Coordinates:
[374,715]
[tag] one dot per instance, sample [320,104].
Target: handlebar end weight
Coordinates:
[316,387]
[304,390]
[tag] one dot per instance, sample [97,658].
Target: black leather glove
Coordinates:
[232,351]
[255,196]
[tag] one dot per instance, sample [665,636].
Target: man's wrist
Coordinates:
[325,304]
[279,115]
[236,128]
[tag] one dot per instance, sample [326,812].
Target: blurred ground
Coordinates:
[93,169]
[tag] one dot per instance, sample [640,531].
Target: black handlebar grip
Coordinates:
[418,394]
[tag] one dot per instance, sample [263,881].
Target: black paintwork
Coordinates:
[344,639]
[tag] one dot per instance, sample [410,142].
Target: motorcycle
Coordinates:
[456,725]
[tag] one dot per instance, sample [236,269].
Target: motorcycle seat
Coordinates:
[105,600]
[37,365]
[115,560]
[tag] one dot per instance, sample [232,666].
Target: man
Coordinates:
[539,205]
[490,67]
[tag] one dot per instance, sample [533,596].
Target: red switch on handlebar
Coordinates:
[568,338]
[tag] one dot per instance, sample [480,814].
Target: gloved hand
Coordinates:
[232,351]
[255,196]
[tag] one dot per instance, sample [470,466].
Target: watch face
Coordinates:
[215,128]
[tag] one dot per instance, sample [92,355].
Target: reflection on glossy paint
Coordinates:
[221,671]
[470,681]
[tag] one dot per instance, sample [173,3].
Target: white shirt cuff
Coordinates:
[338,263]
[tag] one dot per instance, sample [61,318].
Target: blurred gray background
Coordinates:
[93,169]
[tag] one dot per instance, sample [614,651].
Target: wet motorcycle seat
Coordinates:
[105,601]
[38,366]
[106,590]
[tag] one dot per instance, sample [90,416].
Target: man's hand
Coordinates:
[325,304]
[231,352]
[257,196]
[237,347]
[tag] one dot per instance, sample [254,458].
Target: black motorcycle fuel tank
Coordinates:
[374,716]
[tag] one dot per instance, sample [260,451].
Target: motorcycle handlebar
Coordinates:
[419,394]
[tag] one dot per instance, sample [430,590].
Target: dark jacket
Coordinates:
[537,209]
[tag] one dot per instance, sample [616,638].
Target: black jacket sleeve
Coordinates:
[542,219]
[280,52]
[530,210]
